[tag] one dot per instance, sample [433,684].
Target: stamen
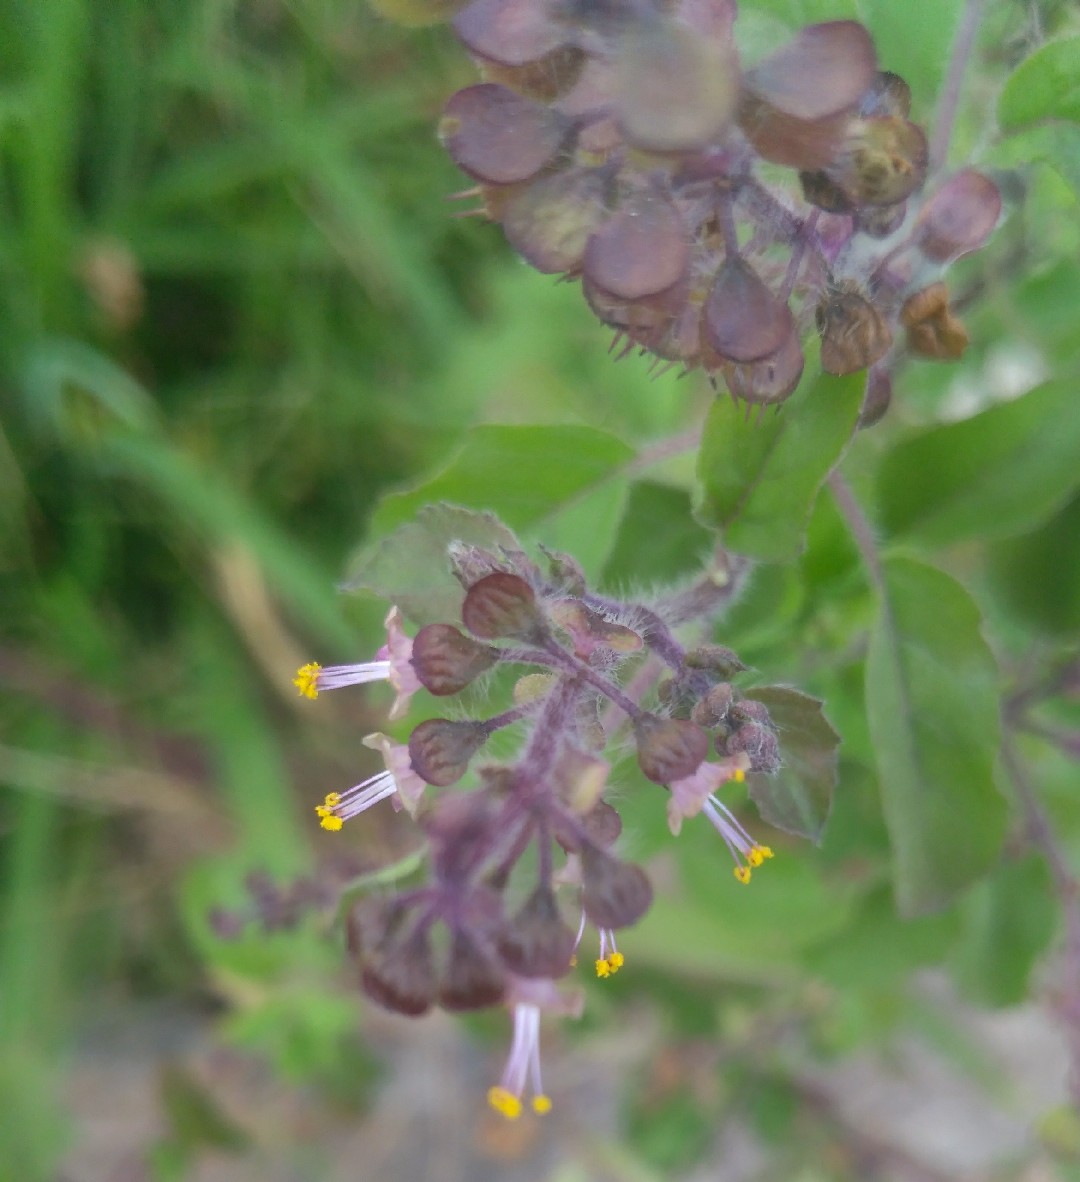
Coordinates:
[337,808]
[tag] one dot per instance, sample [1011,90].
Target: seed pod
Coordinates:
[502,605]
[536,942]
[854,334]
[510,32]
[614,894]
[549,221]
[882,161]
[602,824]
[807,144]
[399,974]
[641,250]
[959,218]
[473,979]
[446,660]
[932,329]
[823,70]
[498,137]
[674,91]
[770,380]
[669,748]
[744,320]
[440,749]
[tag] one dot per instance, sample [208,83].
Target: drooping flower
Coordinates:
[393,663]
[398,781]
[697,794]
[522,1072]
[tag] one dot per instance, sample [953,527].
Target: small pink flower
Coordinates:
[393,663]
[527,997]
[399,782]
[696,794]
[410,787]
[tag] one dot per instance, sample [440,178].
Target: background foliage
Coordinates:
[238,321]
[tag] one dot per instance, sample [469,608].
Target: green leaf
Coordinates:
[992,475]
[932,702]
[658,539]
[1010,919]
[798,798]
[1045,85]
[1037,577]
[759,479]
[410,567]
[563,486]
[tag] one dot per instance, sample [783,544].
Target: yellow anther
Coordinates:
[333,799]
[755,857]
[504,1102]
[742,873]
[603,969]
[307,680]
[541,1104]
[573,961]
[616,961]
[739,775]
[331,822]
[765,851]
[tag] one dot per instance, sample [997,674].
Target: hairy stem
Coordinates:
[949,102]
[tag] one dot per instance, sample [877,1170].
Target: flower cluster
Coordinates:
[624,143]
[535,838]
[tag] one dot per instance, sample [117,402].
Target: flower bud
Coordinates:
[550,220]
[715,658]
[959,218]
[565,572]
[440,749]
[854,334]
[503,605]
[446,660]
[932,329]
[669,748]
[712,710]
[536,942]
[473,979]
[759,743]
[614,894]
[744,320]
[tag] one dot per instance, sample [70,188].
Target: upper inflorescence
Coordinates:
[624,144]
